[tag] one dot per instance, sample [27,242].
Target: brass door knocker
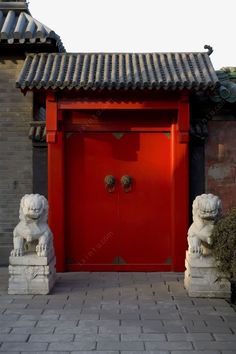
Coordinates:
[110,182]
[126,182]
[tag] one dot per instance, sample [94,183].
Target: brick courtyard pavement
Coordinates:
[115,313]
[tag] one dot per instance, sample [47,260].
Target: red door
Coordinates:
[125,227]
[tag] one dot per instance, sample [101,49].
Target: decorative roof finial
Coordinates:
[210,49]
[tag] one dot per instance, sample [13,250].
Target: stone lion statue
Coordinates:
[32,233]
[206,210]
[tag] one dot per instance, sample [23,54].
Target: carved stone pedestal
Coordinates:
[30,274]
[201,278]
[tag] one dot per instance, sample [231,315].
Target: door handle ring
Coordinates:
[126,182]
[110,182]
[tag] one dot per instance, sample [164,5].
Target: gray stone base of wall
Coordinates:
[201,278]
[31,274]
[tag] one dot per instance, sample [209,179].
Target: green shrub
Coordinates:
[224,245]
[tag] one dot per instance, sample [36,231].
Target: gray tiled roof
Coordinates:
[18,26]
[118,70]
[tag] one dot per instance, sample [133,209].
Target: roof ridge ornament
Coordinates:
[210,49]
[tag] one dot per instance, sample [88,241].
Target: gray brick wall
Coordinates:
[15,151]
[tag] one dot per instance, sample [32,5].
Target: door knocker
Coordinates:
[110,182]
[126,182]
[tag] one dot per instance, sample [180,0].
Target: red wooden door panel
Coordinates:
[119,230]
[91,211]
[145,213]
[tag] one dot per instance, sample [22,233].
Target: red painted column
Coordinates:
[56,199]
[180,184]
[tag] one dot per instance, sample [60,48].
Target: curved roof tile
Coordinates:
[118,70]
[18,26]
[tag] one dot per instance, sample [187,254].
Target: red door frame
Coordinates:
[179,166]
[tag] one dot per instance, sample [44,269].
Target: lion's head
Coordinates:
[207,207]
[33,207]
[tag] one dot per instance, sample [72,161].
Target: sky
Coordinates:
[143,25]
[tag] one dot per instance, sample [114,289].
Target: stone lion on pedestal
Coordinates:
[206,210]
[32,233]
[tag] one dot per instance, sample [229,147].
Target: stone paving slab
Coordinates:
[72,346]
[115,313]
[199,352]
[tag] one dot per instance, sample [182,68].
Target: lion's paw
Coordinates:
[17,252]
[41,250]
[196,249]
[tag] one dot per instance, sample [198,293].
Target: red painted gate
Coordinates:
[89,97]
[139,227]
[118,226]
